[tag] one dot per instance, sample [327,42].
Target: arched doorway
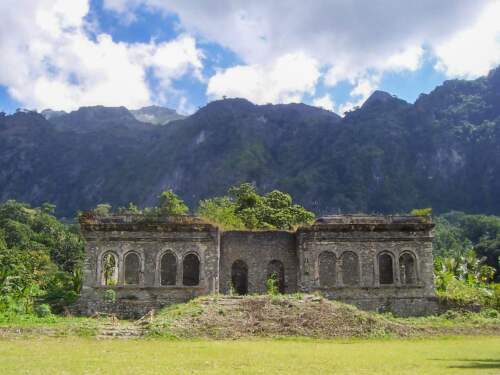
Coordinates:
[191,270]
[350,268]
[407,272]
[385,269]
[132,268]
[168,269]
[327,272]
[275,267]
[109,268]
[239,277]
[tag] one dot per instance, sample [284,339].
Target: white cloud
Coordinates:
[324,102]
[48,60]
[363,85]
[330,31]
[285,80]
[286,48]
[174,59]
[350,40]
[185,107]
[475,50]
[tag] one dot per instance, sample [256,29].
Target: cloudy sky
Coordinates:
[63,54]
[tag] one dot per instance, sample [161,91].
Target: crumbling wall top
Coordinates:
[91,222]
[371,223]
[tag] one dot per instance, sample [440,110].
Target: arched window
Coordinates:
[407,271]
[191,270]
[350,268]
[327,272]
[132,268]
[239,277]
[168,269]
[385,269]
[109,269]
[276,269]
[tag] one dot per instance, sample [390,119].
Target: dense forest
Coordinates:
[388,156]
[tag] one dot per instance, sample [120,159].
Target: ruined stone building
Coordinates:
[381,263]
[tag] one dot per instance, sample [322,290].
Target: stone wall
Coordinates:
[257,250]
[376,263]
[357,245]
[121,236]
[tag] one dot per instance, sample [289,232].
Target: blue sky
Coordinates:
[65,54]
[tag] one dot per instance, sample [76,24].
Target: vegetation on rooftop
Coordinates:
[242,208]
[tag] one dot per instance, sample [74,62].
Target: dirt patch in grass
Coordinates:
[271,316]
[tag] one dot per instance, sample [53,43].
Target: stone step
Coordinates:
[111,330]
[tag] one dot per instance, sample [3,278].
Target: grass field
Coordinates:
[74,355]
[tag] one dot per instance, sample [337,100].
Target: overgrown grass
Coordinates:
[306,316]
[51,325]
[460,293]
[444,355]
[294,315]
[455,322]
[266,316]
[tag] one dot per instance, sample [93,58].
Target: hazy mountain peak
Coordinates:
[156,115]
[94,118]
[379,96]
[100,111]
[49,114]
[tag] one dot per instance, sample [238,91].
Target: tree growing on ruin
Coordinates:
[171,204]
[243,207]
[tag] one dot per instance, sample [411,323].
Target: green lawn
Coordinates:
[73,355]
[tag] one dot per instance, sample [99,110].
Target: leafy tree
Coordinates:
[467,267]
[456,233]
[244,207]
[449,240]
[490,250]
[130,209]
[171,204]
[40,257]
[221,210]
[48,208]
[102,209]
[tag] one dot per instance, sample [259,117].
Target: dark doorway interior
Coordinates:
[239,277]
[191,270]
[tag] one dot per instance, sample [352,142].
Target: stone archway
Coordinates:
[191,270]
[239,277]
[385,267]
[276,267]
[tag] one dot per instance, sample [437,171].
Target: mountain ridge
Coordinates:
[387,156]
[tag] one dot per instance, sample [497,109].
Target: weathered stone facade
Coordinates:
[379,263]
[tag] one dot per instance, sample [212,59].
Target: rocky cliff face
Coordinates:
[387,156]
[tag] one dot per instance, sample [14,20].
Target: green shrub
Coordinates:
[494,300]
[491,313]
[272,285]
[464,293]
[109,296]
[43,310]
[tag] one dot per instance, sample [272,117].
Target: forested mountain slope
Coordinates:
[387,156]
